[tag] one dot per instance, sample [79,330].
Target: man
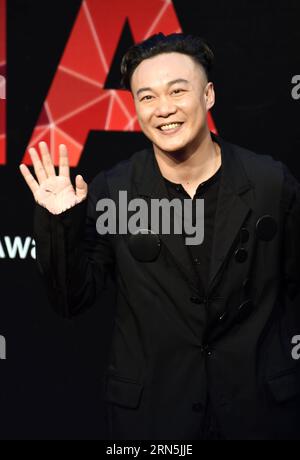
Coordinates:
[204,339]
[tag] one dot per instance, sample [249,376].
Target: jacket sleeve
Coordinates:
[73,259]
[291,250]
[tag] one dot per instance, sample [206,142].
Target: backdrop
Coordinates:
[59,81]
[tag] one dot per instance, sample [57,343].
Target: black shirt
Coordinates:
[207,190]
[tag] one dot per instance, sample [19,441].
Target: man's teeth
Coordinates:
[170,126]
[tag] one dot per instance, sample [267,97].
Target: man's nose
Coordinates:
[165,107]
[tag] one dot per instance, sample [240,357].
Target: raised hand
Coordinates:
[54,192]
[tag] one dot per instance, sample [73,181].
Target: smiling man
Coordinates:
[203,341]
[172,96]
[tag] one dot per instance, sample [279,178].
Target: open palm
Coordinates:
[54,192]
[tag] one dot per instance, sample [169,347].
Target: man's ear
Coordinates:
[209,95]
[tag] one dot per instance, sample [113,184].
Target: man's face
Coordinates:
[172,98]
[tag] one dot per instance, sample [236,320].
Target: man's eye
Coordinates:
[178,91]
[146,98]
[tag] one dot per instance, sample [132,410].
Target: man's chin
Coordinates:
[170,148]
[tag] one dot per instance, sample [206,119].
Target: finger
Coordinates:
[64,169]
[46,159]
[81,187]
[30,180]
[38,167]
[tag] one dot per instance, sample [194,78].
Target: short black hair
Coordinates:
[192,45]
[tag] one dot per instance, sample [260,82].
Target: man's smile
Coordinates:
[170,128]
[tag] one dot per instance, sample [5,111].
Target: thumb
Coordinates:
[81,187]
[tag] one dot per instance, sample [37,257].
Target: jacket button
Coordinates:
[245,305]
[246,285]
[196,300]
[266,228]
[244,310]
[241,255]
[244,235]
[206,350]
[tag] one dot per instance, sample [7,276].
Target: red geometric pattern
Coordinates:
[77,102]
[2,82]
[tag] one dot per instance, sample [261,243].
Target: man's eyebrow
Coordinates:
[170,83]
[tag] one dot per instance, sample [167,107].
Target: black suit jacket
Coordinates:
[173,346]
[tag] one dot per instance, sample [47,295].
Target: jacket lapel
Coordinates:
[234,203]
